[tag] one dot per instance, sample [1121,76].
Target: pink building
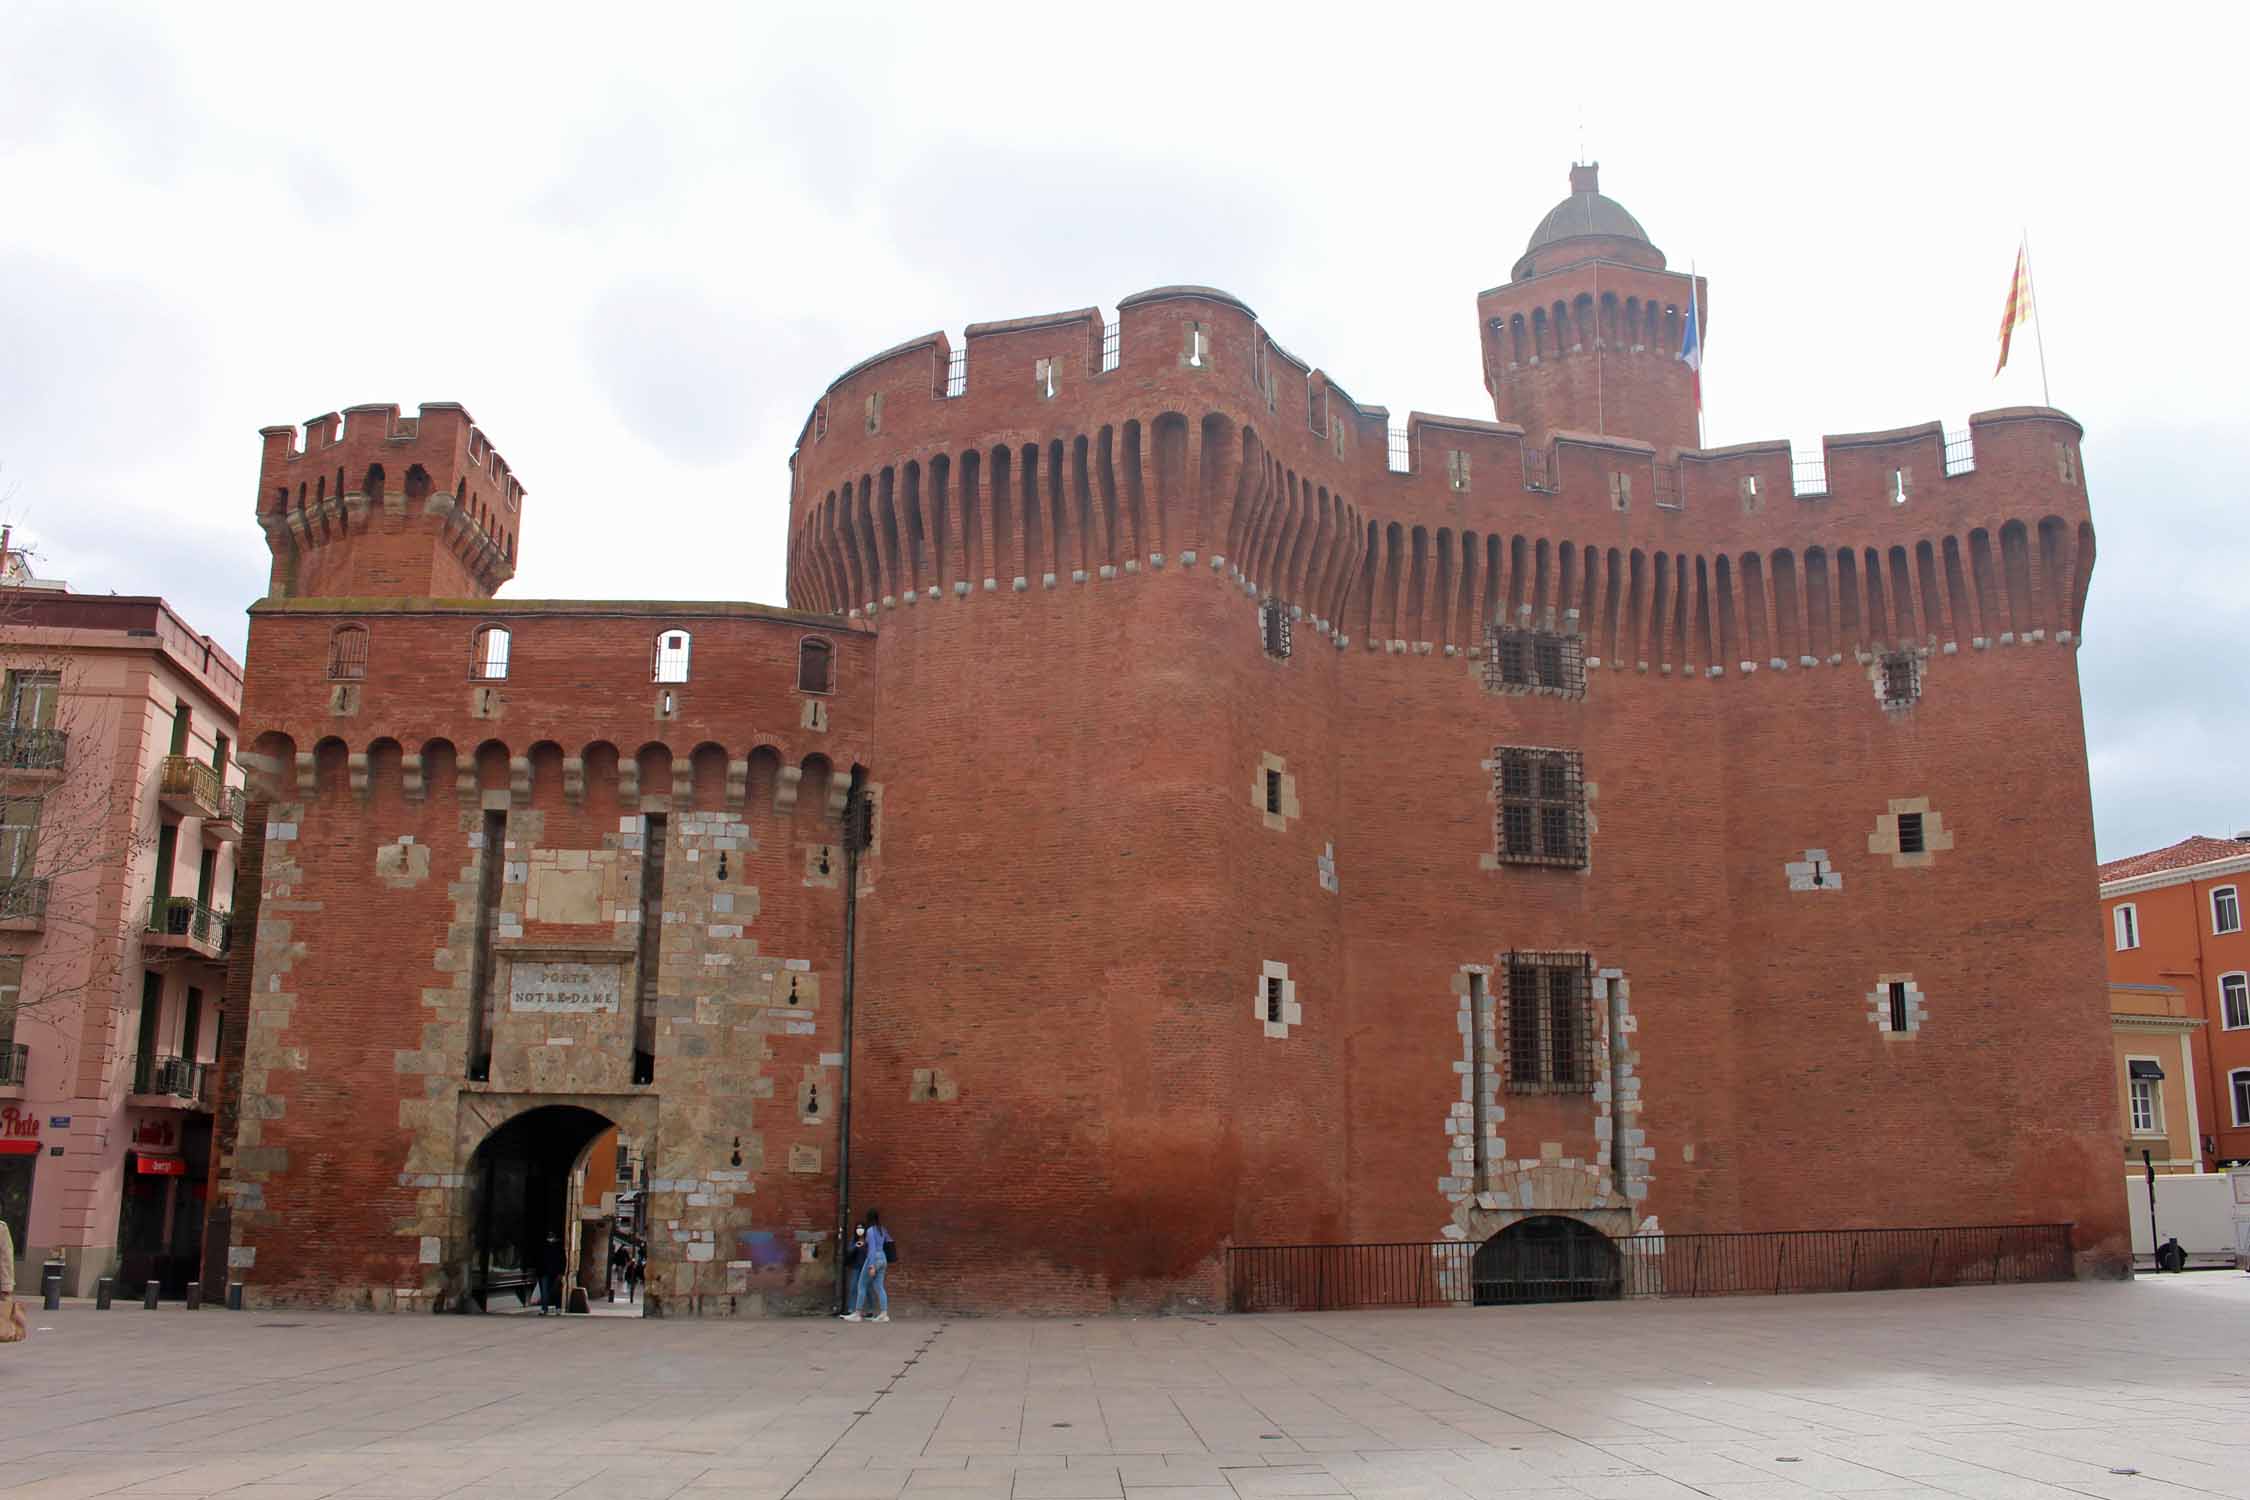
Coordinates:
[120,808]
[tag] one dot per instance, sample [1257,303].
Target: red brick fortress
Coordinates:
[1278,828]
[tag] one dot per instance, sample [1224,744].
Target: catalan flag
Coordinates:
[2019,305]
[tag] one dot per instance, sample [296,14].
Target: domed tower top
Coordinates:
[1584,225]
[1585,335]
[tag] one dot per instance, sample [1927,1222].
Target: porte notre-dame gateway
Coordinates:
[1182,808]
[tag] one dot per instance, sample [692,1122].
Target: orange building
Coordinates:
[2172,920]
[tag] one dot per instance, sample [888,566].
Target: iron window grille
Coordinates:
[1520,661]
[671,656]
[1910,833]
[1550,1023]
[1668,486]
[489,654]
[1541,795]
[1273,999]
[1809,476]
[1273,628]
[1113,347]
[1897,992]
[347,654]
[1273,792]
[1902,678]
[1402,452]
[1960,452]
[957,373]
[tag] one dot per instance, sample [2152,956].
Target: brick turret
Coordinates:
[372,504]
[1585,337]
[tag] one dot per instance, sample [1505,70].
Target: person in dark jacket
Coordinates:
[550,1274]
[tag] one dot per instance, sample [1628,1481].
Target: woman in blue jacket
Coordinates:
[871,1272]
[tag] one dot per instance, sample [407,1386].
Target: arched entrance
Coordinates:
[520,1184]
[1547,1259]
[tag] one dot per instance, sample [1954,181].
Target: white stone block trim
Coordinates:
[1292,1014]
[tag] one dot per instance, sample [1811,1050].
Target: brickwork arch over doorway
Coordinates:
[520,1192]
[1547,1258]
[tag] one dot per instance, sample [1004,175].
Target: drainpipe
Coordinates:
[856,814]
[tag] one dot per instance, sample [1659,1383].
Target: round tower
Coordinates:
[1585,336]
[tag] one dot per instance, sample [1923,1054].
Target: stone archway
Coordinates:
[1547,1258]
[519,1155]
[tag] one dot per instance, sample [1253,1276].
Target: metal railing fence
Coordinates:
[1458,1273]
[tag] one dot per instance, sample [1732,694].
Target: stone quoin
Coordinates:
[1561,738]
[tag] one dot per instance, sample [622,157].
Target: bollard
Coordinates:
[194,1295]
[234,1296]
[50,1286]
[148,1298]
[104,1287]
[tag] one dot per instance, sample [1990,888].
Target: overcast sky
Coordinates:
[637,242]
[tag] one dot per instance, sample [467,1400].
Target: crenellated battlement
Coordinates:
[1204,443]
[337,497]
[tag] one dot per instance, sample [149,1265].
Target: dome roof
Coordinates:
[1585,212]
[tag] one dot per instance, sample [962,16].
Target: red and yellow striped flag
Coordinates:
[2019,305]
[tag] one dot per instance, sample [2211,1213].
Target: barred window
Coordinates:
[1273,627]
[1541,796]
[347,653]
[670,663]
[1518,661]
[1550,1023]
[488,653]
[1902,678]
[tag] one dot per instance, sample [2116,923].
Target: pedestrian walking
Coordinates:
[550,1274]
[619,1258]
[636,1272]
[881,1251]
[13,1329]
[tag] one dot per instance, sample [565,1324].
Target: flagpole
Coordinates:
[2038,324]
[1695,310]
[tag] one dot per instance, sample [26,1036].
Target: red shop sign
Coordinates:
[19,1125]
[162,1166]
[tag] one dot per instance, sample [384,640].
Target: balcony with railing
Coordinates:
[197,789]
[29,751]
[23,903]
[186,924]
[15,1065]
[170,1082]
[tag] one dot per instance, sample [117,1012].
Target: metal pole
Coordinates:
[853,811]
[2039,332]
[2148,1165]
[50,1285]
[103,1288]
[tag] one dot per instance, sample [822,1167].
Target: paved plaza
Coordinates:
[2012,1393]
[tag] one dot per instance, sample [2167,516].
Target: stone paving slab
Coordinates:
[2008,1393]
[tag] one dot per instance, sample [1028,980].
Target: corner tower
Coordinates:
[1585,336]
[372,504]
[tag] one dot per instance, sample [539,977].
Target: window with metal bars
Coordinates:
[1273,999]
[1541,795]
[671,656]
[1910,833]
[347,653]
[1897,997]
[1902,678]
[1523,661]
[1550,1023]
[1273,627]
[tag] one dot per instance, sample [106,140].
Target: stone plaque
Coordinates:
[564,988]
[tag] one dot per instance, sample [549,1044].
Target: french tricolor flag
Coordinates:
[1691,344]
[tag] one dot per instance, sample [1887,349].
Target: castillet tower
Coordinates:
[1182,808]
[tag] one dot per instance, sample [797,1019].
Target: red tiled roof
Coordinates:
[2197,850]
